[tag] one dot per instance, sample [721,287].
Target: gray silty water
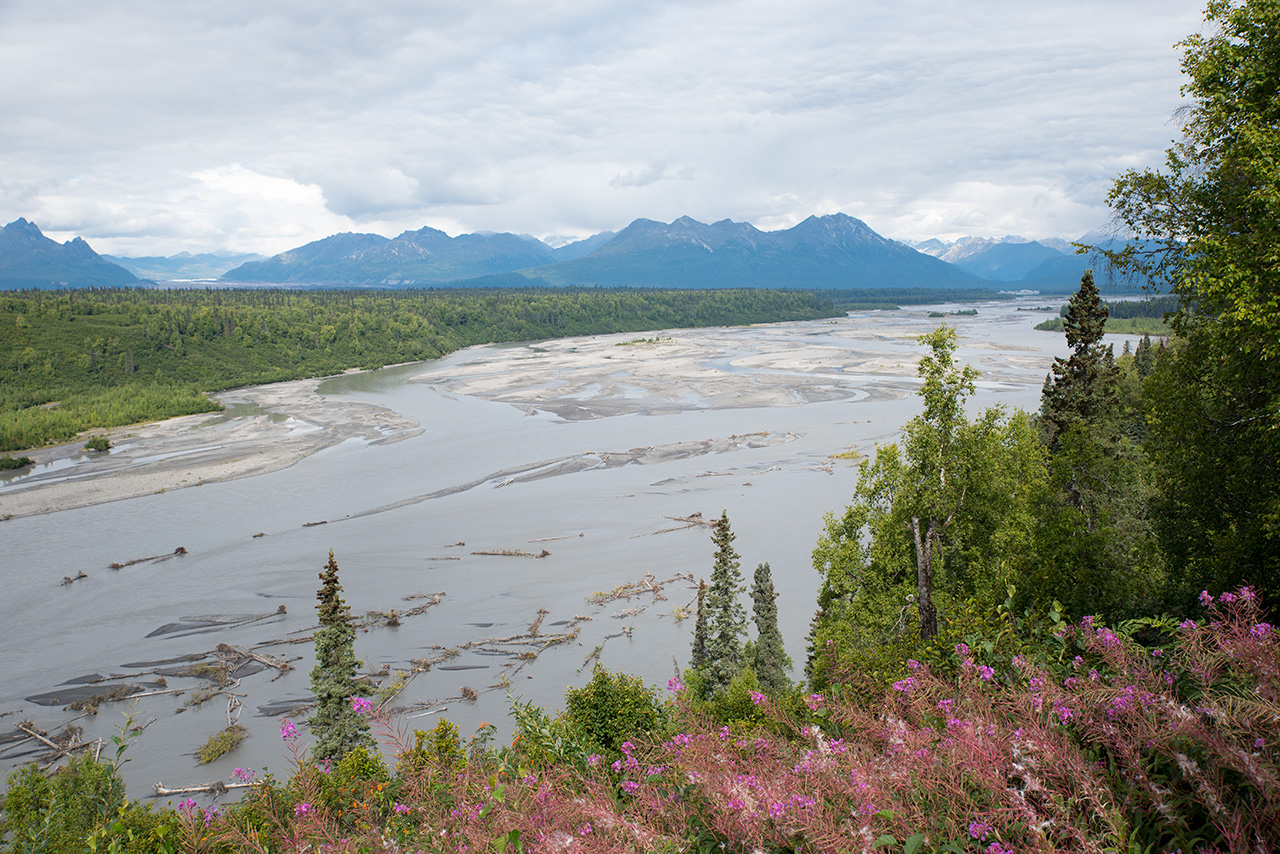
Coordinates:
[497,477]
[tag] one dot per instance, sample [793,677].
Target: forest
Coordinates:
[1036,632]
[80,360]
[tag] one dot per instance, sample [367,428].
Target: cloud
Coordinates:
[193,125]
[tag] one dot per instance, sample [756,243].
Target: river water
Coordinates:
[407,519]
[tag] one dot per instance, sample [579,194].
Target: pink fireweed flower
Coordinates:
[814,702]
[674,685]
[187,804]
[302,809]
[630,786]
[361,706]
[986,673]
[1205,599]
[913,665]
[401,808]
[962,649]
[1261,631]
[243,775]
[906,686]
[997,848]
[287,730]
[979,830]
[757,698]
[627,747]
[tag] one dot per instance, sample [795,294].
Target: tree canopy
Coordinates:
[1207,226]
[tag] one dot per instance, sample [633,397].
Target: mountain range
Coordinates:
[28,259]
[184,267]
[826,252]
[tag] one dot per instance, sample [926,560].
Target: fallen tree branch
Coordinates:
[217,788]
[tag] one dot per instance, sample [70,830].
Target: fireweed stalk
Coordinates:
[1121,747]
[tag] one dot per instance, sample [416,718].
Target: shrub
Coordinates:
[57,812]
[611,709]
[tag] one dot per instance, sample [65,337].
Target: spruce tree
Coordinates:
[338,728]
[698,657]
[1084,388]
[726,618]
[768,656]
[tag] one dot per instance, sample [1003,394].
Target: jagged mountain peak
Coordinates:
[30,259]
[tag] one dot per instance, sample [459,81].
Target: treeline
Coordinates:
[77,360]
[872,299]
[1132,317]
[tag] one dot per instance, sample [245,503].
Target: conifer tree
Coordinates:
[726,618]
[698,658]
[338,728]
[768,656]
[1083,388]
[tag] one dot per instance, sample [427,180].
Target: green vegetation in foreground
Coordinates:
[78,360]
[8,462]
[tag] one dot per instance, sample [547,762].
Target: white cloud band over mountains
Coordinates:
[155,126]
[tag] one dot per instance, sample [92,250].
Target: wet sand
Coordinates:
[270,427]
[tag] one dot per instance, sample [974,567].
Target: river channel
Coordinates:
[543,474]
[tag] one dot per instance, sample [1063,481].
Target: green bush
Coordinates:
[55,813]
[610,709]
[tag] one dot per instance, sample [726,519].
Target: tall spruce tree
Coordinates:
[1084,388]
[768,656]
[726,618]
[337,727]
[1097,548]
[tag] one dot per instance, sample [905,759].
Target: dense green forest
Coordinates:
[76,360]
[1036,632]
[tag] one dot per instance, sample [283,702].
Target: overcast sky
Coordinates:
[156,126]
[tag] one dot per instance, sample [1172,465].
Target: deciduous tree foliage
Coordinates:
[947,515]
[1208,227]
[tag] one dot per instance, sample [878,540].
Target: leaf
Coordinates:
[884,840]
[913,843]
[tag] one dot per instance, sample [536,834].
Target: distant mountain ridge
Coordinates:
[425,256]
[184,265]
[1033,263]
[28,259]
[834,251]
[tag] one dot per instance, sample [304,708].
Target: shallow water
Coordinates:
[497,477]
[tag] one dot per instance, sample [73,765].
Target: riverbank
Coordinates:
[263,429]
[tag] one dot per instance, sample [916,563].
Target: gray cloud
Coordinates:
[161,125]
